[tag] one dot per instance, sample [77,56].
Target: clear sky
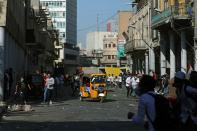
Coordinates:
[88,10]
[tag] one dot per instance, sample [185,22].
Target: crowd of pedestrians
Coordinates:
[162,112]
[128,80]
[42,86]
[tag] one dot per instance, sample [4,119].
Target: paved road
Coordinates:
[74,115]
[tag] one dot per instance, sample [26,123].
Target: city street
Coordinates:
[75,115]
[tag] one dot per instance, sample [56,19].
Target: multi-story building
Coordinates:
[40,38]
[98,43]
[109,57]
[123,22]
[140,47]
[12,35]
[173,20]
[24,39]
[64,19]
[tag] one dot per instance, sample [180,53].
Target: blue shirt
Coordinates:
[187,103]
[146,105]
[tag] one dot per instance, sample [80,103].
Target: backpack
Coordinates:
[164,119]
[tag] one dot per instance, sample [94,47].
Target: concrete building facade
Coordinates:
[109,58]
[99,43]
[174,23]
[12,39]
[139,46]
[123,22]
[64,19]
[23,39]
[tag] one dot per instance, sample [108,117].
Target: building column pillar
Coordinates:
[146,63]
[172,55]
[162,54]
[151,59]
[136,66]
[183,52]
[2,44]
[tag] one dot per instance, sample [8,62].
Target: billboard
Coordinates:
[120,50]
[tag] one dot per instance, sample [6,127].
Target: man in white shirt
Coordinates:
[134,84]
[120,81]
[128,85]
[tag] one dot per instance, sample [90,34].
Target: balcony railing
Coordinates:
[137,44]
[181,11]
[128,47]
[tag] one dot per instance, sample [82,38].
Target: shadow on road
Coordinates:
[97,101]
[70,126]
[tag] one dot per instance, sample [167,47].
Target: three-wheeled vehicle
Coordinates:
[93,87]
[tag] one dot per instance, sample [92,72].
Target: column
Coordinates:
[152,59]
[2,41]
[172,54]
[162,54]
[183,52]
[146,63]
[131,62]
[118,62]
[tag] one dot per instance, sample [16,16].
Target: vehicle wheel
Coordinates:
[102,99]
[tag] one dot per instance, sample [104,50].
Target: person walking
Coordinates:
[120,81]
[6,85]
[186,106]
[50,86]
[153,106]
[128,85]
[21,91]
[11,80]
[62,86]
[57,87]
[108,81]
[134,84]
[45,77]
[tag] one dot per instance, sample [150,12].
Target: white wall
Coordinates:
[94,40]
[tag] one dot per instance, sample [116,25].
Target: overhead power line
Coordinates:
[95,25]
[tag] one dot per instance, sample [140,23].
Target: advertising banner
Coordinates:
[120,50]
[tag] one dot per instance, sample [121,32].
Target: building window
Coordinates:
[109,57]
[109,45]
[165,4]
[114,45]
[105,45]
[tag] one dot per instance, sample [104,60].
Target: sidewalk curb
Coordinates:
[3,108]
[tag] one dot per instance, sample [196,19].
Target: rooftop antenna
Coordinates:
[97,22]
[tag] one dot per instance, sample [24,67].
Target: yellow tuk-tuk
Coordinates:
[93,87]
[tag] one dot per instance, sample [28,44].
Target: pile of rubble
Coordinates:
[17,107]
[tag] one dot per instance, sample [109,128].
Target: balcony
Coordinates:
[180,12]
[3,7]
[128,47]
[134,45]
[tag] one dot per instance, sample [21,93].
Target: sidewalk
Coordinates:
[65,93]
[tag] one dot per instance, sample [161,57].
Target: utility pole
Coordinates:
[195,34]
[97,22]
